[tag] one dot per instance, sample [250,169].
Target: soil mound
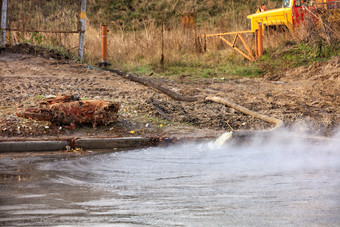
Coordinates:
[26,48]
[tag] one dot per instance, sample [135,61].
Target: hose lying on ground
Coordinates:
[240,134]
[149,83]
[277,122]
[153,85]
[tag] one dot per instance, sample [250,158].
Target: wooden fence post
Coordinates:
[3,22]
[82,29]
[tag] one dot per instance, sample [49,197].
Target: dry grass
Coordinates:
[134,48]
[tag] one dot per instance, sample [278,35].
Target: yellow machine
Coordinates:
[292,13]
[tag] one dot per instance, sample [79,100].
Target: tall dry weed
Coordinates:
[137,42]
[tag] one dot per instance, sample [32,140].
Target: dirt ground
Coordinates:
[306,96]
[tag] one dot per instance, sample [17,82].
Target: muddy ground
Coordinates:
[306,96]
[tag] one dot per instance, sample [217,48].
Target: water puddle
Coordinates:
[259,183]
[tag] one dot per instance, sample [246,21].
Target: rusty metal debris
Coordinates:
[69,110]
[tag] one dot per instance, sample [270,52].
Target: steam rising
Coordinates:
[278,179]
[286,149]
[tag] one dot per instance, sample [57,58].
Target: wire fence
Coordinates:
[53,23]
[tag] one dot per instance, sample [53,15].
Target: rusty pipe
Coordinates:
[256,43]
[260,39]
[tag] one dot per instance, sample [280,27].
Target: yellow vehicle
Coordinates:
[292,13]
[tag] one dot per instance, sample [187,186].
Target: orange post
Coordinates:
[260,40]
[104,44]
[256,44]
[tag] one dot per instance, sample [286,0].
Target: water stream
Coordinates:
[261,183]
